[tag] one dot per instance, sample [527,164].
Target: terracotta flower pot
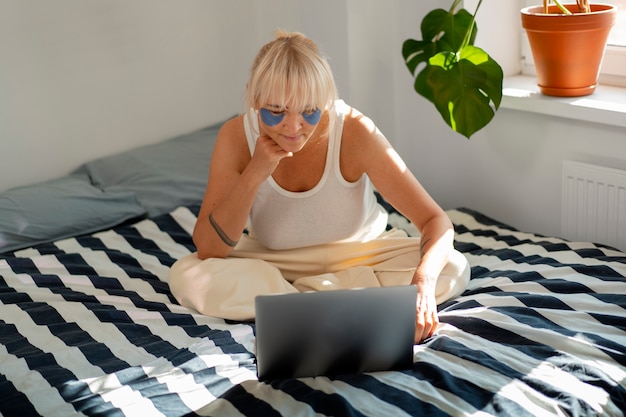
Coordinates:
[568,49]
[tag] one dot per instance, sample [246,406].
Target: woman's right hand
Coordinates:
[266,157]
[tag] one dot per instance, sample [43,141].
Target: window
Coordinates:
[618,33]
[614,64]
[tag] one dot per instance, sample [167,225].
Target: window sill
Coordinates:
[607,105]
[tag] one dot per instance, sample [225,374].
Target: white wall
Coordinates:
[86,78]
[81,79]
[510,170]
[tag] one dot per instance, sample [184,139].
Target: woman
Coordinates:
[298,171]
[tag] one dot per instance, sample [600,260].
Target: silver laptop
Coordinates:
[335,332]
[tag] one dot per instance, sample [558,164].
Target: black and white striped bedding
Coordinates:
[88,327]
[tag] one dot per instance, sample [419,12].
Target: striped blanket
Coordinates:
[88,327]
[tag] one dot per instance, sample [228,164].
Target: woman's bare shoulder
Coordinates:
[233,127]
[356,124]
[361,132]
[232,135]
[362,144]
[231,144]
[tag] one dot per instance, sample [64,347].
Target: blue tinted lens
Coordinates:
[312,118]
[270,118]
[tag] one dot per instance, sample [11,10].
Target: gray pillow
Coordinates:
[163,175]
[60,208]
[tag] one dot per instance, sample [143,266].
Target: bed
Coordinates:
[88,325]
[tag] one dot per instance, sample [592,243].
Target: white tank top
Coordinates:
[334,210]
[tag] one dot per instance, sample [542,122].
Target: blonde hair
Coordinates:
[291,71]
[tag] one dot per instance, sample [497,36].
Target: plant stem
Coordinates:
[455,4]
[561,7]
[583,6]
[468,34]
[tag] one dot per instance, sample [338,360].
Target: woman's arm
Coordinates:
[234,180]
[367,150]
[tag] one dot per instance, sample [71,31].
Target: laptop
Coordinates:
[335,332]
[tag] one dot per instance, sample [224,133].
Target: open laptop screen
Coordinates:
[335,332]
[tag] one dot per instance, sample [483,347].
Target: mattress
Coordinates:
[88,326]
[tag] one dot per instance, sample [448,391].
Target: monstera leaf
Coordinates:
[461,80]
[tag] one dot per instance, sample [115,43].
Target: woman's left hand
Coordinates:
[426,316]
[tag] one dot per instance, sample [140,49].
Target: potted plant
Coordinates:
[461,80]
[567,43]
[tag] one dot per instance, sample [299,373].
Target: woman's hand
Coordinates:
[266,157]
[426,316]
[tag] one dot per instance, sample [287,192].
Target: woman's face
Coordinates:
[290,129]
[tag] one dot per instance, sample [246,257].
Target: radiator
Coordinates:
[593,205]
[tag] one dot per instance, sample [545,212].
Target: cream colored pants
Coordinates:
[226,288]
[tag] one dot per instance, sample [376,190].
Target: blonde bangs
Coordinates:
[291,74]
[296,88]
